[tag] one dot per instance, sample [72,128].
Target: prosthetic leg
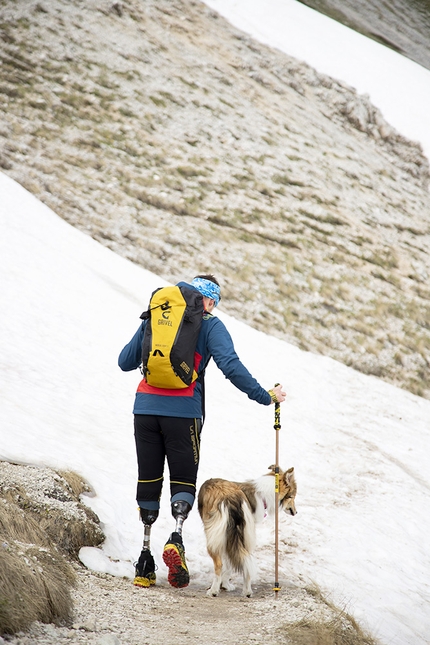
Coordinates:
[180,510]
[148,518]
[145,567]
[174,552]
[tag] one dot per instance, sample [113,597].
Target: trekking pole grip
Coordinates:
[277,425]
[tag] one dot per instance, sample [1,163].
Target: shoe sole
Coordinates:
[143,582]
[178,573]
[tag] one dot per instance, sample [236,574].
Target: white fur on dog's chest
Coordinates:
[265,493]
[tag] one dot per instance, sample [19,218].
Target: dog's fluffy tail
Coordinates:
[240,542]
[231,531]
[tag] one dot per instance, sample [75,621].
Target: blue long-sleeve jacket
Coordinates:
[215,342]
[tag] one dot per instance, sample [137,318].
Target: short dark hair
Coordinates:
[210,277]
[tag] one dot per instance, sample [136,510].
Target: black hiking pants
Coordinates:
[176,439]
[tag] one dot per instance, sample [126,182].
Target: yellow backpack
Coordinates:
[174,317]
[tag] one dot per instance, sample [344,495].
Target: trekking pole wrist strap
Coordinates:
[273,396]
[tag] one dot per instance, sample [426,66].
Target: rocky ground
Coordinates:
[185,146]
[402,26]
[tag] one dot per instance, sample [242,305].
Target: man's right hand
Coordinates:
[278,393]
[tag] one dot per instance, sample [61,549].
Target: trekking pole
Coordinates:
[277,427]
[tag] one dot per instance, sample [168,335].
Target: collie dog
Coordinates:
[230,511]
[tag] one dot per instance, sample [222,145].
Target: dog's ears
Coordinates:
[289,476]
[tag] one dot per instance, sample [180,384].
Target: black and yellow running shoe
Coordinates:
[145,570]
[174,559]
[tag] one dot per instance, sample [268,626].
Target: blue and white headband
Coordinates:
[208,289]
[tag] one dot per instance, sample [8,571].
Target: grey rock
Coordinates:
[108,639]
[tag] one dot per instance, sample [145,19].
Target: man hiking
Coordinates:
[168,423]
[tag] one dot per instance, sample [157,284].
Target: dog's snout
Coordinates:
[291,509]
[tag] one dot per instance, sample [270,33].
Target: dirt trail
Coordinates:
[111,611]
